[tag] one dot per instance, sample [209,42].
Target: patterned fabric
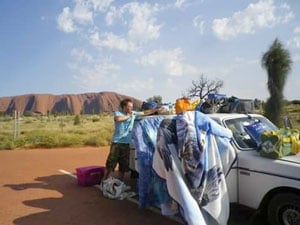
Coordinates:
[150,185]
[195,166]
[192,130]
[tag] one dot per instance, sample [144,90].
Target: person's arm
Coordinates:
[120,118]
[150,111]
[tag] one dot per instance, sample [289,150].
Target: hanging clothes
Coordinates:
[193,154]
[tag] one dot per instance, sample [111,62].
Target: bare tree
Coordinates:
[203,86]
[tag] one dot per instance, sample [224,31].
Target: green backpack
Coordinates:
[280,143]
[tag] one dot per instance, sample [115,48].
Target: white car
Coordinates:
[270,186]
[273,186]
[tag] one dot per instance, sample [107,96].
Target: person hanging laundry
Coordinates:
[119,149]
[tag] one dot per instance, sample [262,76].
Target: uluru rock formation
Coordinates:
[87,103]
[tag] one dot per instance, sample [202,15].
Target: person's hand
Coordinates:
[128,115]
[159,109]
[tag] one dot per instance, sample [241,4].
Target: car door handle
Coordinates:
[246,173]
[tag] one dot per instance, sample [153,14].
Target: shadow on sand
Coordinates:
[86,206]
[80,205]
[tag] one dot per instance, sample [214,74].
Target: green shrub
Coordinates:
[93,130]
[296,102]
[41,140]
[6,119]
[69,140]
[104,142]
[6,144]
[96,141]
[77,120]
[47,133]
[92,141]
[95,119]
[27,113]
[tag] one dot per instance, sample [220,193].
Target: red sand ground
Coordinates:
[34,192]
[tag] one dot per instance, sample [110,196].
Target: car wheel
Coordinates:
[284,209]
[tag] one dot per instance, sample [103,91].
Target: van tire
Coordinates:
[284,209]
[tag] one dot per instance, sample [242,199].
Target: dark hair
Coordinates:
[124,102]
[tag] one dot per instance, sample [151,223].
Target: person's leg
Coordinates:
[107,173]
[111,160]
[121,175]
[124,161]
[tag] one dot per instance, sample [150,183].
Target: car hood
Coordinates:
[287,166]
[292,158]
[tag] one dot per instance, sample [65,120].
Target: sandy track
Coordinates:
[34,192]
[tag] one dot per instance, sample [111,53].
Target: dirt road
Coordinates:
[35,191]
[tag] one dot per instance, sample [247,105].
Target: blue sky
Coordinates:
[144,48]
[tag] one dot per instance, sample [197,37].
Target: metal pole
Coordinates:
[18,124]
[15,125]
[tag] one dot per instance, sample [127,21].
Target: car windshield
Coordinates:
[242,137]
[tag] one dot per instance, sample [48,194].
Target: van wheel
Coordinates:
[284,209]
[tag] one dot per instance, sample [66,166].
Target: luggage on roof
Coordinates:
[236,105]
[219,103]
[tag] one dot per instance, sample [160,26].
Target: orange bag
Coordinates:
[182,105]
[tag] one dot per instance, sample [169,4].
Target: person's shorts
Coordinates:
[119,153]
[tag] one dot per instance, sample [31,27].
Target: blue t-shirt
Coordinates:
[122,133]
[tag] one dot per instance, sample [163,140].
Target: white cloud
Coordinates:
[111,15]
[199,24]
[112,41]
[171,61]
[258,15]
[81,55]
[294,42]
[101,5]
[140,22]
[179,3]
[296,57]
[143,25]
[136,87]
[137,21]
[65,21]
[297,30]
[92,74]
[82,13]
[285,13]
